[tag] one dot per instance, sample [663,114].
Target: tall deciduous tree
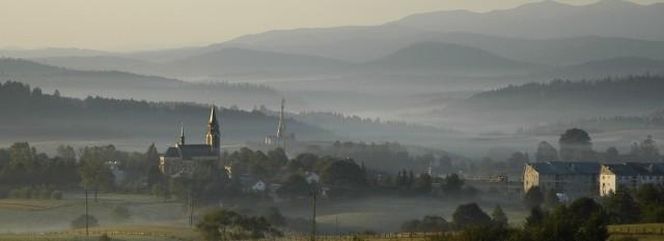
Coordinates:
[575,145]
[546,152]
[468,215]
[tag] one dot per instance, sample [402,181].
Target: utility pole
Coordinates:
[87,234]
[191,209]
[313,219]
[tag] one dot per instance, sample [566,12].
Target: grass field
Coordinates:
[35,216]
[644,232]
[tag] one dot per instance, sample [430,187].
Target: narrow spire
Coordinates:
[213,115]
[281,128]
[181,134]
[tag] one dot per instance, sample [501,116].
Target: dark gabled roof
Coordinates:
[190,151]
[622,169]
[172,152]
[636,169]
[566,168]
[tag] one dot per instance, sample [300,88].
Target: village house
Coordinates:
[573,179]
[614,177]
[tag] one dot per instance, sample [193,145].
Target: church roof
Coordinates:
[190,151]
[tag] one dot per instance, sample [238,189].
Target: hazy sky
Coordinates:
[150,24]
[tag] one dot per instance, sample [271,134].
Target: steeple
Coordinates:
[181,141]
[213,136]
[281,128]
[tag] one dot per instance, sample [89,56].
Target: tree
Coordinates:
[153,174]
[273,215]
[551,198]
[224,224]
[93,170]
[622,208]
[468,215]
[67,153]
[498,216]
[533,197]
[647,150]
[344,173]
[423,183]
[612,154]
[295,186]
[452,184]
[546,152]
[575,145]
[215,223]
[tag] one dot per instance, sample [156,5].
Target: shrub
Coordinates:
[104,237]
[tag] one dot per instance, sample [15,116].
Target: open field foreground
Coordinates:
[644,232]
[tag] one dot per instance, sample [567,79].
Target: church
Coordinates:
[181,159]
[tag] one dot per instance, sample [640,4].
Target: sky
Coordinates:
[127,25]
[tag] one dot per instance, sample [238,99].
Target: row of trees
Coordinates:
[576,145]
[582,220]
[465,216]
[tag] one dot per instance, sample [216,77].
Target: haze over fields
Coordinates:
[423,69]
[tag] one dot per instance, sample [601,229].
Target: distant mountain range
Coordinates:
[550,19]
[448,59]
[543,33]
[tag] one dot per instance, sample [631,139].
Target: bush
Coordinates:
[104,237]
[80,221]
[38,192]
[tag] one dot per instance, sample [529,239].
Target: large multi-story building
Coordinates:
[574,179]
[614,177]
[182,159]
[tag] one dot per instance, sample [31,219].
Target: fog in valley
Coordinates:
[390,121]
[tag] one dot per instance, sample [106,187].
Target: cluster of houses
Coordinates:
[576,179]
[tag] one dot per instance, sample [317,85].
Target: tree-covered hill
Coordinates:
[29,113]
[564,99]
[125,85]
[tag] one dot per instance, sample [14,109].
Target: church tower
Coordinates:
[213,136]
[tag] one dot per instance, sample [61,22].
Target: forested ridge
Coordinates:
[642,92]
[28,111]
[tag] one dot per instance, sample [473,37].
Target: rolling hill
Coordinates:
[239,62]
[128,85]
[448,58]
[550,19]
[567,100]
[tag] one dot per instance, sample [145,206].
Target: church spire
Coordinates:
[281,128]
[213,136]
[181,141]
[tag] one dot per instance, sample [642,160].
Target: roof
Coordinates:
[190,151]
[637,169]
[566,168]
